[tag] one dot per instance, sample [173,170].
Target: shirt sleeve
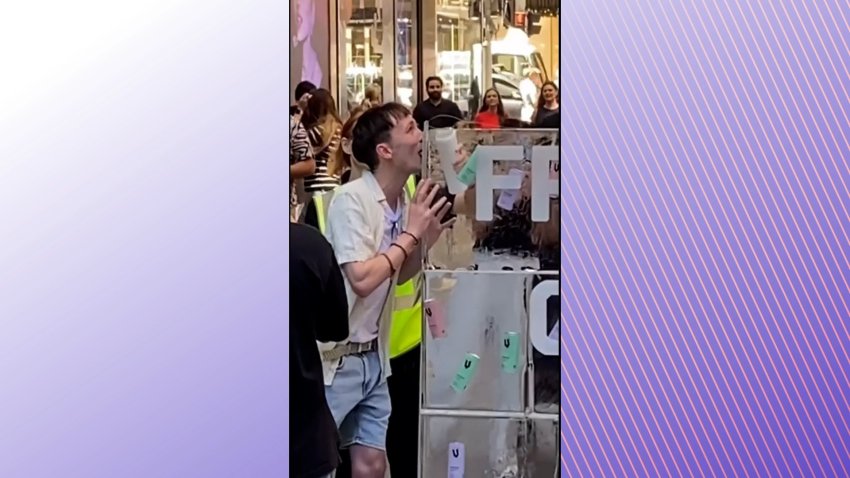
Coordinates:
[314,136]
[349,231]
[300,145]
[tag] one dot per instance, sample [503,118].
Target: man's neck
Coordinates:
[435,103]
[392,184]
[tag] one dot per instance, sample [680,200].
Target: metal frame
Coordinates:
[528,416]
[388,49]
[333,47]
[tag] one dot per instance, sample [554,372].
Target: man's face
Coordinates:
[405,145]
[435,90]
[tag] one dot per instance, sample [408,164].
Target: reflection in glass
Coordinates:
[363,57]
[532,452]
[406,91]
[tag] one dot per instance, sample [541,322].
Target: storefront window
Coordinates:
[516,48]
[363,59]
[544,36]
[450,31]
[456,33]
[406,53]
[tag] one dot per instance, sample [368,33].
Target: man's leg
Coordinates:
[403,432]
[343,395]
[369,422]
[368,462]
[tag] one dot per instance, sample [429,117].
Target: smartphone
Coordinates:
[443,192]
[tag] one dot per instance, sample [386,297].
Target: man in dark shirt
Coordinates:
[318,311]
[439,112]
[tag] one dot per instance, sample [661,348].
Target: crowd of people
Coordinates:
[357,219]
[443,113]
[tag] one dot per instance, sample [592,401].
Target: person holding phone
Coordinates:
[376,235]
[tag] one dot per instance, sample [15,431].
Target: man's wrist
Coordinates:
[413,235]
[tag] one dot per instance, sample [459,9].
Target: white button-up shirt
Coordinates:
[355,228]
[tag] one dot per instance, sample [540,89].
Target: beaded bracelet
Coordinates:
[403,250]
[415,239]
[390,262]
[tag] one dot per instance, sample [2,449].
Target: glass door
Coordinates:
[406,53]
[362,36]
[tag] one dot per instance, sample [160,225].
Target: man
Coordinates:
[404,350]
[376,234]
[405,337]
[529,89]
[439,112]
[319,311]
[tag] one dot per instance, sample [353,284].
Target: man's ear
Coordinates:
[384,151]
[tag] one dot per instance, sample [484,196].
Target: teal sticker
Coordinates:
[467,174]
[510,352]
[465,373]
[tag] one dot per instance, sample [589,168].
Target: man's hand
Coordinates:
[425,211]
[437,225]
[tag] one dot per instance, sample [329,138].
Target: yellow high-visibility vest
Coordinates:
[406,327]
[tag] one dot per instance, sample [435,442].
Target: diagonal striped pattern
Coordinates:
[705,273]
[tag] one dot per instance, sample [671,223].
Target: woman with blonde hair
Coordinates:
[342,164]
[323,129]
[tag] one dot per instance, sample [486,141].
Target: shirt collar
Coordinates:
[373,186]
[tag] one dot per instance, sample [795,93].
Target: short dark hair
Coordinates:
[372,129]
[303,88]
[433,78]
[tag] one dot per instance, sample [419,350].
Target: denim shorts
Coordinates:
[360,401]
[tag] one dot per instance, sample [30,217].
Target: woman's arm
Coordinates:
[303,164]
[302,169]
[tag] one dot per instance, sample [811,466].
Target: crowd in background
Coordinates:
[322,158]
[318,163]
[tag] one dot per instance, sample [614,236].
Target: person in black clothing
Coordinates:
[439,112]
[318,311]
[547,104]
[552,121]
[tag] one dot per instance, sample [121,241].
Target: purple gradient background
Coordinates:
[705,227]
[143,242]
